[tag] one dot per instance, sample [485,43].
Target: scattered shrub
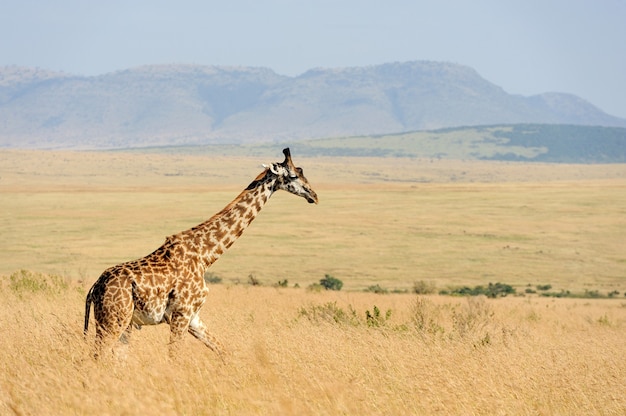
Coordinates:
[330,313]
[499,290]
[253,281]
[457,322]
[423,288]
[375,318]
[493,290]
[561,294]
[604,320]
[471,321]
[544,287]
[24,281]
[587,294]
[425,316]
[376,289]
[533,316]
[484,341]
[315,287]
[473,317]
[212,278]
[331,283]
[282,283]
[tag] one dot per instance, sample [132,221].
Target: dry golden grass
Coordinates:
[288,355]
[380,221]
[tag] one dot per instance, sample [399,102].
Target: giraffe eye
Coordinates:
[293,175]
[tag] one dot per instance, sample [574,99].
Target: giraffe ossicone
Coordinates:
[167,286]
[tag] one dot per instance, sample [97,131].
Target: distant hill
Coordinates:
[198,105]
[548,143]
[520,142]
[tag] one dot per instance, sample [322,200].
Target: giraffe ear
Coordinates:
[277,169]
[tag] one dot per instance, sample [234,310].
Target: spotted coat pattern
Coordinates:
[168,284]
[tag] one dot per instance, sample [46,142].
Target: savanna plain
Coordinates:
[396,232]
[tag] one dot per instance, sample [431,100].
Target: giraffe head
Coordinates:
[291,179]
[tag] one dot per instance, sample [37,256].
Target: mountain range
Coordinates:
[178,105]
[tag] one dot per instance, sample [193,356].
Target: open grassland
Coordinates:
[380,221]
[297,352]
[390,222]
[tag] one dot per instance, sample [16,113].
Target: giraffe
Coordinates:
[168,284]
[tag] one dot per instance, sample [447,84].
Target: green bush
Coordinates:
[587,294]
[331,283]
[375,318]
[592,294]
[561,294]
[499,290]
[493,290]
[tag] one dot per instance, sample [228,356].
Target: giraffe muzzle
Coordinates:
[312,198]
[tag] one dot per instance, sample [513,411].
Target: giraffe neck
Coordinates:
[207,241]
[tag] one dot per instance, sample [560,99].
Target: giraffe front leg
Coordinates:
[179,322]
[198,329]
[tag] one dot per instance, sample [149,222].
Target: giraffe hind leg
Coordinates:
[113,324]
[112,339]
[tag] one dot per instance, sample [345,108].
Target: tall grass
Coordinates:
[430,355]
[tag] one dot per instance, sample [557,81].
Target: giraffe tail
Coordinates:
[88,301]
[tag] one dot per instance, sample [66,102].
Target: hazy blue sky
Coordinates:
[525,47]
